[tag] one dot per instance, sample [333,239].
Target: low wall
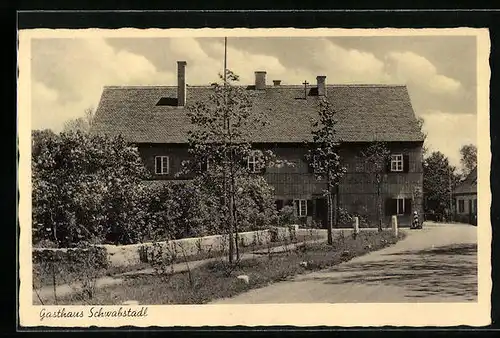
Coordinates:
[126,255]
[133,254]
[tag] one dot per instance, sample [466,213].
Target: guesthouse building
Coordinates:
[154,118]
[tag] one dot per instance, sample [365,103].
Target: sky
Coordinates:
[68,74]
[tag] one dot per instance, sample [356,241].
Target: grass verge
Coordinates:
[217,279]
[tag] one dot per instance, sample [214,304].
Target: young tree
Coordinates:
[468,159]
[440,179]
[324,159]
[220,144]
[376,157]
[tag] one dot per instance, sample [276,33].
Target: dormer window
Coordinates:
[161,165]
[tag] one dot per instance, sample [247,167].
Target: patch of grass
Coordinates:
[217,279]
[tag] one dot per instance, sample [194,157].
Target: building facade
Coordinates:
[465,196]
[154,118]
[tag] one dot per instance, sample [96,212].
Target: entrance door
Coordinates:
[321,213]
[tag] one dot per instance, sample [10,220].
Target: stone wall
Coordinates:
[133,254]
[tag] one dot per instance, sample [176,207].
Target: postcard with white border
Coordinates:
[256,177]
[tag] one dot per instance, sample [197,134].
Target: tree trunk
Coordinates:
[330,219]
[236,231]
[336,206]
[379,208]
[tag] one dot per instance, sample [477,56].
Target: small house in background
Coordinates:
[465,196]
[154,118]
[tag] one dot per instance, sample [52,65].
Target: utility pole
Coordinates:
[226,127]
[450,193]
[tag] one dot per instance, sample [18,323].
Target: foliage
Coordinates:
[82,124]
[346,218]
[85,188]
[287,215]
[468,159]
[324,158]
[440,179]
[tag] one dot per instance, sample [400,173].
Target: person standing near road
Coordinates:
[416,222]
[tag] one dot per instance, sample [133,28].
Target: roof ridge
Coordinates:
[365,85]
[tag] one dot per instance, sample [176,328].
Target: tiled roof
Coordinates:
[365,113]
[469,185]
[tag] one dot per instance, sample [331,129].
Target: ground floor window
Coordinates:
[461,206]
[301,207]
[474,210]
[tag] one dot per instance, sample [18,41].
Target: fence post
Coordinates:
[355,225]
[394,224]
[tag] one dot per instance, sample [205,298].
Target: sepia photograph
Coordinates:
[215,168]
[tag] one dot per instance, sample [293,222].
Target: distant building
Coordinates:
[154,118]
[465,196]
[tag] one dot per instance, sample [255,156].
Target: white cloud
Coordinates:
[447,132]
[77,70]
[416,70]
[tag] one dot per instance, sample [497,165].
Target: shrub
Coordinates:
[287,215]
[85,187]
[346,219]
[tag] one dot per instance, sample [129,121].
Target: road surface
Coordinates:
[435,264]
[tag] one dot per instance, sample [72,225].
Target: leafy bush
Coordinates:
[85,188]
[346,219]
[287,215]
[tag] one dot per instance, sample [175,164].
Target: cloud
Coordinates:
[416,70]
[448,132]
[68,77]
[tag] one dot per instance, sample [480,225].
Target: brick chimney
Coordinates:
[181,83]
[321,79]
[276,82]
[260,79]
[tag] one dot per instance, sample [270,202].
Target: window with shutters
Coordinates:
[161,165]
[301,207]
[397,162]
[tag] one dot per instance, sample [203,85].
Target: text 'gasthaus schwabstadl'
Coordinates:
[95,312]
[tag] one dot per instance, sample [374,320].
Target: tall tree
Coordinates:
[325,160]
[440,179]
[421,122]
[83,124]
[468,158]
[220,144]
[376,156]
